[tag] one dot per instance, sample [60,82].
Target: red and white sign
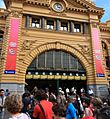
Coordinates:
[97,51]
[12,47]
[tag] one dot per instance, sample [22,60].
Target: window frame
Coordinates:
[51,25]
[64,21]
[35,17]
[80,30]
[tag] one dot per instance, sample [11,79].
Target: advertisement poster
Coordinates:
[97,52]
[12,47]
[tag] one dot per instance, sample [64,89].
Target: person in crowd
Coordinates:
[59,111]
[71,112]
[73,91]
[26,102]
[106,100]
[103,113]
[96,103]
[90,92]
[13,104]
[52,98]
[88,111]
[7,92]
[34,90]
[61,97]
[78,105]
[82,90]
[67,92]
[83,97]
[47,93]
[43,110]
[2,102]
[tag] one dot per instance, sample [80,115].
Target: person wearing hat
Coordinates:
[67,92]
[61,99]
[71,112]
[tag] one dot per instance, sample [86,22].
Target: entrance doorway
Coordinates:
[54,85]
[56,68]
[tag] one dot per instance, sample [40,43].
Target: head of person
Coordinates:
[41,95]
[71,99]
[46,90]
[103,113]
[13,103]
[97,103]
[27,94]
[2,92]
[7,90]
[59,110]
[86,102]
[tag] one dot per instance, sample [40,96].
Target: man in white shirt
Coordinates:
[2,101]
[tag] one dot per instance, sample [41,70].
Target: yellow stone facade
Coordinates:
[33,41]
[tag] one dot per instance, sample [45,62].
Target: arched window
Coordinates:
[56,60]
[105,54]
[1,34]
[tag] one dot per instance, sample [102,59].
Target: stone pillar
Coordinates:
[84,28]
[100,90]
[43,23]
[71,26]
[57,25]
[27,21]
[13,87]
[100,85]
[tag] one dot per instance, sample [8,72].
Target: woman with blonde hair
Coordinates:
[13,104]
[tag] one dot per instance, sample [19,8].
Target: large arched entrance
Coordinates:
[54,69]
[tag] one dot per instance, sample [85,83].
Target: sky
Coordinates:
[106,5]
[99,3]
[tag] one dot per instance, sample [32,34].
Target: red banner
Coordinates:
[12,47]
[97,52]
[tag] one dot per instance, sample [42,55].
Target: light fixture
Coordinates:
[36,73]
[70,74]
[64,74]
[57,73]
[43,73]
[50,73]
[29,73]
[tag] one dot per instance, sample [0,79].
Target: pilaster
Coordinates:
[99,68]
[11,80]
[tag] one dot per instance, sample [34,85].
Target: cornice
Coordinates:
[104,27]
[91,7]
[39,2]
[88,6]
[3,13]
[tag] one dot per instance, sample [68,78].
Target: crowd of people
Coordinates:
[43,104]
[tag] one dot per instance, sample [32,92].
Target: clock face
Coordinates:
[58,7]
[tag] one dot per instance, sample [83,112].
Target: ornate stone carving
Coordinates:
[27,44]
[95,24]
[57,13]
[85,49]
[16,14]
